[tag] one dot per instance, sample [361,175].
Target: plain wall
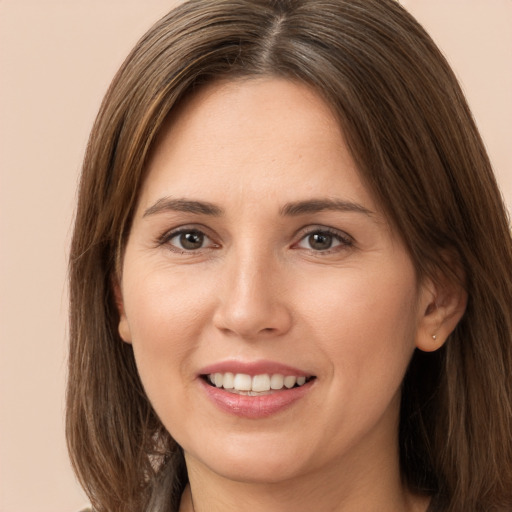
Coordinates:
[56,61]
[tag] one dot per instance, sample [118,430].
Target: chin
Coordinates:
[261,472]
[258,463]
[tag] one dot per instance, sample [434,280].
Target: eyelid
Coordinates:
[343,237]
[169,234]
[345,240]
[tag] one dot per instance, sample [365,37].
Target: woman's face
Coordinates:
[258,260]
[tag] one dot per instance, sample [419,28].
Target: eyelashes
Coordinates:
[319,240]
[324,240]
[188,240]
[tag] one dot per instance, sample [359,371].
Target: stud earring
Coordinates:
[434,337]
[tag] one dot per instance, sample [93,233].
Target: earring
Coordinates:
[434,337]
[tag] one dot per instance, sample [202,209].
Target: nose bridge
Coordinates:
[251,300]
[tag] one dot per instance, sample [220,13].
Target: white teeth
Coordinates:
[261,383]
[258,384]
[276,381]
[242,382]
[290,381]
[229,381]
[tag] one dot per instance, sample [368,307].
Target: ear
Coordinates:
[442,304]
[123,327]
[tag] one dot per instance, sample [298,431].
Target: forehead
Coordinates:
[224,112]
[259,136]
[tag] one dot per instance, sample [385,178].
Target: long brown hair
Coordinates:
[413,138]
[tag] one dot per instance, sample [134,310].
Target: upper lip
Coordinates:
[253,368]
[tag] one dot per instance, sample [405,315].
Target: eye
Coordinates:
[188,240]
[323,240]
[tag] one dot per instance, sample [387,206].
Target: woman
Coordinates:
[291,272]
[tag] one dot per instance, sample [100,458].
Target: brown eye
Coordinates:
[320,241]
[323,240]
[189,240]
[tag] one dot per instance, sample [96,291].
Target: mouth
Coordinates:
[257,385]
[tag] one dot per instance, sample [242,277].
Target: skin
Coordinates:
[256,287]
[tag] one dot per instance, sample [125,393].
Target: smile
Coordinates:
[257,385]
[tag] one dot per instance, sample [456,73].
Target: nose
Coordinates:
[252,301]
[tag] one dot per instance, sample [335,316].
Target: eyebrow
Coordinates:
[289,209]
[166,204]
[320,205]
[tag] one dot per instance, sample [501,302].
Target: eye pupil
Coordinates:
[191,240]
[320,241]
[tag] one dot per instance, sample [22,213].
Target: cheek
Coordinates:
[162,303]
[365,325]
[166,313]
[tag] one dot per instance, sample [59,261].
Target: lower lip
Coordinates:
[255,407]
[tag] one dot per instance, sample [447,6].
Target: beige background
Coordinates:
[56,60]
